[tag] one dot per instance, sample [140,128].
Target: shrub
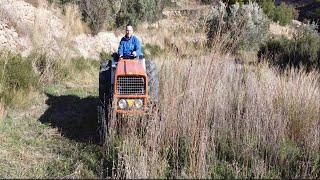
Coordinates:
[95,13]
[282,13]
[110,13]
[61,2]
[303,50]
[207,1]
[137,11]
[17,77]
[244,27]
[170,4]
[268,7]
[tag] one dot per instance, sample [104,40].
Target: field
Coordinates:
[222,113]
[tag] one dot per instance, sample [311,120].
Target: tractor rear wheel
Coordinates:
[105,97]
[153,82]
[103,126]
[105,81]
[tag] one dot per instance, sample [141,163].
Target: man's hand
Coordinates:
[134,53]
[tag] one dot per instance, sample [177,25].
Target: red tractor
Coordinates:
[127,86]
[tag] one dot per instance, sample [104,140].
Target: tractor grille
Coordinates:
[130,85]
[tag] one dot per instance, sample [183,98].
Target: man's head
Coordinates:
[129,31]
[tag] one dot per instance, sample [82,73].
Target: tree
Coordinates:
[95,13]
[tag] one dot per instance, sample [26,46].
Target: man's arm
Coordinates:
[120,49]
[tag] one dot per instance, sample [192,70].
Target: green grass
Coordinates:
[31,149]
[60,89]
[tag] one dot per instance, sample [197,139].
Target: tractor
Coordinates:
[128,86]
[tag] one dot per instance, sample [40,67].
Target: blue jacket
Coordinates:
[128,45]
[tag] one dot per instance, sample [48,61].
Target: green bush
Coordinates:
[170,4]
[95,13]
[17,75]
[137,11]
[303,50]
[207,1]
[268,7]
[61,2]
[243,28]
[110,13]
[282,13]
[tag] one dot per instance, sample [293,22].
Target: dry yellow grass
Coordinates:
[212,111]
[53,31]
[72,21]
[2,111]
[35,3]
[182,35]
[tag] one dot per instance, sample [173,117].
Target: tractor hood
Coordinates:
[130,67]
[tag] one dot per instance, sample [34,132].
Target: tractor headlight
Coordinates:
[138,103]
[122,104]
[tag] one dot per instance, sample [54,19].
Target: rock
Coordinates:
[8,38]
[90,46]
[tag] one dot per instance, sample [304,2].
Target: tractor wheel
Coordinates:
[105,96]
[105,81]
[153,82]
[103,126]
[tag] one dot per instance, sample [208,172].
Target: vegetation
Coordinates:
[17,79]
[95,13]
[206,1]
[227,133]
[302,51]
[216,117]
[112,13]
[245,27]
[282,13]
[137,11]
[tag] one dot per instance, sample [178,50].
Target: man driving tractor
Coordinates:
[129,44]
[127,85]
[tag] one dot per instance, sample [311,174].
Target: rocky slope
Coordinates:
[24,28]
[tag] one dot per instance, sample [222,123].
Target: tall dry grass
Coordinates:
[220,119]
[2,111]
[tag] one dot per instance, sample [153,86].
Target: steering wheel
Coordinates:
[128,57]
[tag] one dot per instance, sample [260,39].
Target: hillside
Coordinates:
[239,95]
